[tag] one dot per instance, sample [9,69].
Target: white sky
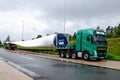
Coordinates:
[47,16]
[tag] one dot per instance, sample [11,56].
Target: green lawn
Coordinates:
[38,49]
[1,46]
[114,48]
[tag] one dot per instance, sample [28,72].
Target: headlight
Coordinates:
[95,53]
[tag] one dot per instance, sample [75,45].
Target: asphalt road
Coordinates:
[48,69]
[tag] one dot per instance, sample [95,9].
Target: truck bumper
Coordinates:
[92,57]
[96,56]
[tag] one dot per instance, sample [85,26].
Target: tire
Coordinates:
[74,55]
[68,55]
[62,53]
[59,53]
[86,56]
[9,48]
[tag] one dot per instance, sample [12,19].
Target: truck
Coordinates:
[10,46]
[89,44]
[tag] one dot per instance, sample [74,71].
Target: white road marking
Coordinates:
[29,72]
[2,59]
[27,57]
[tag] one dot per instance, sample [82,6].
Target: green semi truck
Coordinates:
[89,44]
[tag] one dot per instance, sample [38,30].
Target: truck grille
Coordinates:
[101,53]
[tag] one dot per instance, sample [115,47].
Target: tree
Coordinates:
[33,38]
[98,27]
[74,36]
[0,43]
[108,29]
[38,36]
[47,34]
[69,37]
[113,32]
[110,32]
[7,39]
[117,31]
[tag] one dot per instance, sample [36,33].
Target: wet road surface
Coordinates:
[49,69]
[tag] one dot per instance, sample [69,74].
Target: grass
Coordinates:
[38,49]
[1,46]
[114,49]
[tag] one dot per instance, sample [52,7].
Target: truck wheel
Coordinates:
[86,56]
[62,54]
[68,54]
[74,55]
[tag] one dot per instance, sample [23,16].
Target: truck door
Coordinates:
[88,46]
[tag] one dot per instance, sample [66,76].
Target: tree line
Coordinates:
[113,32]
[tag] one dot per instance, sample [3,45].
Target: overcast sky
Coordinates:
[47,16]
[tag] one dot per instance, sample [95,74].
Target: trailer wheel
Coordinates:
[9,48]
[62,53]
[59,53]
[74,55]
[86,56]
[68,54]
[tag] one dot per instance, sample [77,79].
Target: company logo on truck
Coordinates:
[60,41]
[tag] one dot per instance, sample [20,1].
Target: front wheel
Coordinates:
[86,56]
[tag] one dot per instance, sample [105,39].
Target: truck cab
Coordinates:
[91,44]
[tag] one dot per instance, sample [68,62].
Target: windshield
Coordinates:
[100,40]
